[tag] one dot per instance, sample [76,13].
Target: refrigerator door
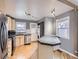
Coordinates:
[3,37]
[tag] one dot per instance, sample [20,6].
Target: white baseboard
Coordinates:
[68,52]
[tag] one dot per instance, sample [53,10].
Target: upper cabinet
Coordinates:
[11,23]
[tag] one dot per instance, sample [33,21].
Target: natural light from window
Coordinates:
[62,27]
[20,26]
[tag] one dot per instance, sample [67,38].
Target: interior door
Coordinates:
[33,29]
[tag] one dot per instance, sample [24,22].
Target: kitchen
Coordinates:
[38,30]
[22,36]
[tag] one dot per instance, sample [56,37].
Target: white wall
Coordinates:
[71,45]
[49,26]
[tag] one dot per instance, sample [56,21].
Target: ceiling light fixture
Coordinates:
[53,13]
[28,14]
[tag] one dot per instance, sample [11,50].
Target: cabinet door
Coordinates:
[11,24]
[34,56]
[9,46]
[19,40]
[45,52]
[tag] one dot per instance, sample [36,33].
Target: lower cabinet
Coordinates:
[9,46]
[45,52]
[19,40]
[35,55]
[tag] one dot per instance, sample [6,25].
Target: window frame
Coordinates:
[23,30]
[66,27]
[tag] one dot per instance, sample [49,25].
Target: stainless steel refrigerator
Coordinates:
[3,37]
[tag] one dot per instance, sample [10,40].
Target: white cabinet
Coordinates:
[19,40]
[9,46]
[11,24]
[45,52]
[34,56]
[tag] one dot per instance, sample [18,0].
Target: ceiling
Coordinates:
[37,8]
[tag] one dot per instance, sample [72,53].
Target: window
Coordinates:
[62,27]
[20,26]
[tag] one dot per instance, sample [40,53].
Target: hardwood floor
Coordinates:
[25,51]
[32,52]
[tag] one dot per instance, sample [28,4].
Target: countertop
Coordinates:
[25,34]
[25,51]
